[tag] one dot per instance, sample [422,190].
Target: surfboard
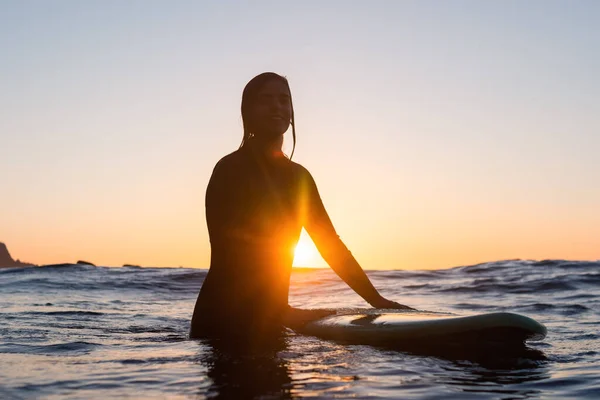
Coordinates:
[431,329]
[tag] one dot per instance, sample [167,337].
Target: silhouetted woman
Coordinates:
[257,202]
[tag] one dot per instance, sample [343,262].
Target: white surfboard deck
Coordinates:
[407,327]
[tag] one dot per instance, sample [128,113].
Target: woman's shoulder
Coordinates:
[296,167]
[231,160]
[300,171]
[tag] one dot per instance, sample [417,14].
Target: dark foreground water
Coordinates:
[91,332]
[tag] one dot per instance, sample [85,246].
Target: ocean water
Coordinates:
[94,332]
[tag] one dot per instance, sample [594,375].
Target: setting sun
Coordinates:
[306,254]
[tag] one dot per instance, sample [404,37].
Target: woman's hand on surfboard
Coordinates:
[382,302]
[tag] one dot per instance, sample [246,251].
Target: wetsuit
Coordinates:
[256,207]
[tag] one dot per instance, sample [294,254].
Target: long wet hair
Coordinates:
[249,98]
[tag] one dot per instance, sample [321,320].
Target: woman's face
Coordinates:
[272,110]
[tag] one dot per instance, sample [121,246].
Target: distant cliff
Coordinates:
[7,261]
[86,263]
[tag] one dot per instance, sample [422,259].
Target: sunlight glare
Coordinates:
[306,254]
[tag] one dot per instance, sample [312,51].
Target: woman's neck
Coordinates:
[270,147]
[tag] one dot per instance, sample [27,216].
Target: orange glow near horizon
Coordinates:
[407,234]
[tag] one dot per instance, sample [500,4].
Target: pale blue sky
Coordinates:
[430,126]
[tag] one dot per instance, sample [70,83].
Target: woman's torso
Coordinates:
[254,216]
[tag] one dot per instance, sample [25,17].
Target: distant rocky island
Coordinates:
[85,263]
[6,259]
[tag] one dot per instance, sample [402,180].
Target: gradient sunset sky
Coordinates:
[440,133]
